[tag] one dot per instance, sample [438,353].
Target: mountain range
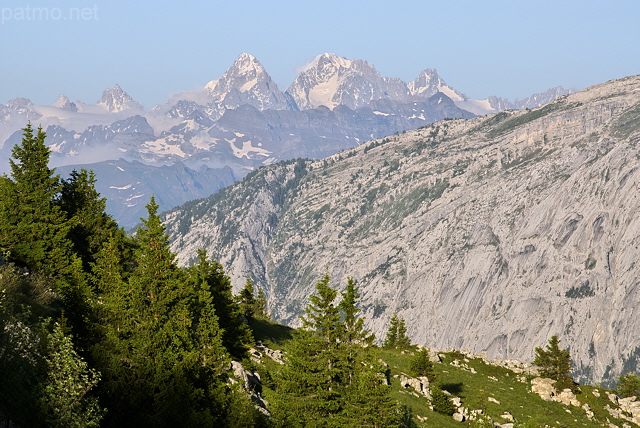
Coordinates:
[490,234]
[239,121]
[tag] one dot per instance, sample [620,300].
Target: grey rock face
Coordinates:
[490,234]
[18,108]
[247,82]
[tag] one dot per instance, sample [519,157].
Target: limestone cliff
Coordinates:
[491,233]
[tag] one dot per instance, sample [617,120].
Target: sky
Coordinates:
[154,49]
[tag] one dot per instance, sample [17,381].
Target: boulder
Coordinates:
[544,388]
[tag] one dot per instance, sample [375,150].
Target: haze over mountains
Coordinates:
[491,233]
[236,123]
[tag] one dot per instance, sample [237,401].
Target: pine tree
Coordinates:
[330,379]
[367,402]
[421,365]
[322,316]
[441,402]
[555,363]
[311,382]
[402,340]
[391,338]
[261,305]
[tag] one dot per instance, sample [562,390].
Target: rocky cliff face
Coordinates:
[491,234]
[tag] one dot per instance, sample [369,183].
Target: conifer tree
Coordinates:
[35,230]
[396,337]
[66,396]
[32,227]
[329,378]
[90,225]
[237,336]
[246,300]
[402,340]
[629,385]
[367,402]
[391,338]
[354,331]
[309,388]
[421,365]
[162,357]
[555,363]
[261,305]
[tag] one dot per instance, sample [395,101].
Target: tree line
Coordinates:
[98,328]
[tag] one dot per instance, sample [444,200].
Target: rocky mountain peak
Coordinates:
[331,80]
[116,100]
[19,103]
[63,103]
[247,82]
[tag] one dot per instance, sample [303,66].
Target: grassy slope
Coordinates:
[474,389]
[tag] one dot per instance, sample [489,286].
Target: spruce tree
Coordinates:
[261,305]
[421,365]
[32,227]
[402,340]
[354,331]
[237,336]
[35,230]
[367,400]
[555,363]
[629,385]
[310,384]
[329,378]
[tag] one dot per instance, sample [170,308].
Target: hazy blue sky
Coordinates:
[152,49]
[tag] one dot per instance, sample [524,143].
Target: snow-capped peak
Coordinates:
[116,100]
[325,59]
[247,82]
[331,80]
[242,75]
[63,103]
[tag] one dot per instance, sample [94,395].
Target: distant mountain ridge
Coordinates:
[242,120]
